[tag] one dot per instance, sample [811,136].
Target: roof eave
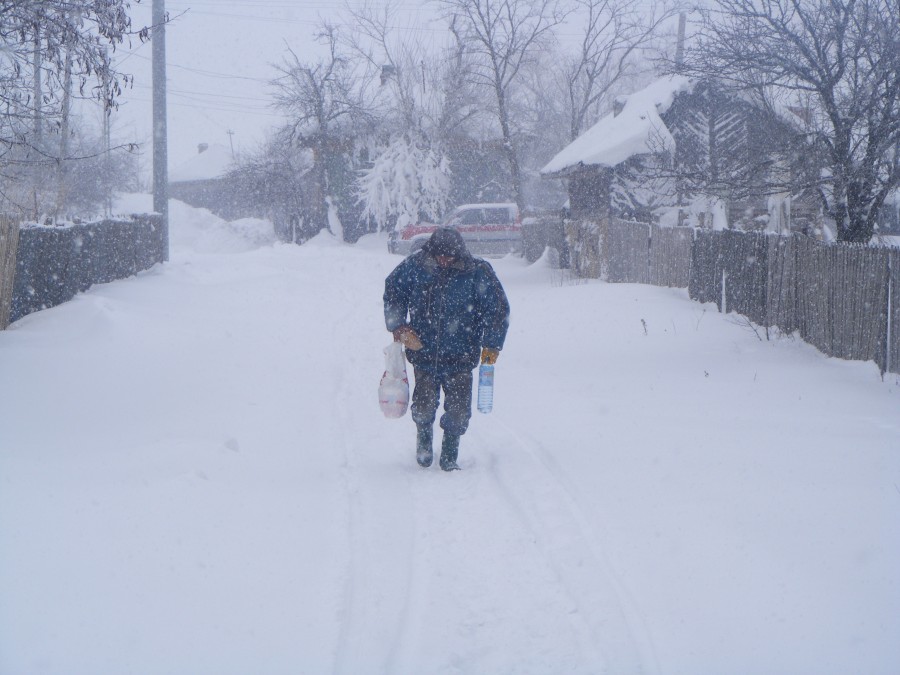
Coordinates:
[575,168]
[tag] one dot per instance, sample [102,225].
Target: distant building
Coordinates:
[204,182]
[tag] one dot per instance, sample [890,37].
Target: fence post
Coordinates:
[9,244]
[723,304]
[888,343]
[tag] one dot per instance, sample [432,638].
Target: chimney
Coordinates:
[679,46]
[202,147]
[387,72]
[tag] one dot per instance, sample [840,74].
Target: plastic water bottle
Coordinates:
[485,388]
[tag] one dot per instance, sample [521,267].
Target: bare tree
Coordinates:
[318,95]
[274,182]
[326,103]
[835,63]
[614,33]
[46,42]
[52,52]
[425,87]
[502,36]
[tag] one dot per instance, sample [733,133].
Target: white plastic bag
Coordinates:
[393,392]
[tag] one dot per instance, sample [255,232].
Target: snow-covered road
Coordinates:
[195,477]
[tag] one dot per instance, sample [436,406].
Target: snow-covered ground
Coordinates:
[195,477]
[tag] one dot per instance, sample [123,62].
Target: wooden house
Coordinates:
[684,152]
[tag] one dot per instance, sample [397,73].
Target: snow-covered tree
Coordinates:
[408,180]
[425,101]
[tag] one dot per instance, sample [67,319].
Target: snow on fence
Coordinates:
[52,264]
[843,299]
[9,239]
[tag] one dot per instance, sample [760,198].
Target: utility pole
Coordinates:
[231,140]
[107,135]
[160,133]
[38,121]
[679,47]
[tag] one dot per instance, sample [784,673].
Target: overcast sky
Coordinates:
[219,62]
[219,57]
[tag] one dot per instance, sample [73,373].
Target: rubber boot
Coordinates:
[424,451]
[449,452]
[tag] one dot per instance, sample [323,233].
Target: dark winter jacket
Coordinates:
[455,311]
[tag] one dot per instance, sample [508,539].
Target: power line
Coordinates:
[196,106]
[315,23]
[208,73]
[285,4]
[204,93]
[305,22]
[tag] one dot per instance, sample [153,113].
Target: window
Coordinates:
[497,216]
[470,217]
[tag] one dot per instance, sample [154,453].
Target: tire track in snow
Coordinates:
[537,489]
[465,612]
[412,633]
[374,607]
[410,628]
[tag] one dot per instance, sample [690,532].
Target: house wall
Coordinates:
[589,193]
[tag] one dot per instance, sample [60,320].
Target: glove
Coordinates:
[489,356]
[407,337]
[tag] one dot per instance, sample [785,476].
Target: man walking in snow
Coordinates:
[449,310]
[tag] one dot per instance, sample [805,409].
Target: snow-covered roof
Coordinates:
[212,163]
[637,129]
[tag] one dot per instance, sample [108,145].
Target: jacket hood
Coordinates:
[446,241]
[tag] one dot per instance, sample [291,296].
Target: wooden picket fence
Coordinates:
[843,299]
[622,251]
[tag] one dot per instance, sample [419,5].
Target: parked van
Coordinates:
[487,229]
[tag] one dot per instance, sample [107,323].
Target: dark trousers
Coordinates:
[457,400]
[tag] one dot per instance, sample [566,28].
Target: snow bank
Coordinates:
[193,230]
